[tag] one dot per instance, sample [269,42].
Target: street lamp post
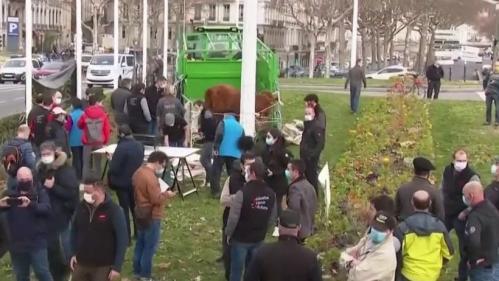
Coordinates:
[29,64]
[165,39]
[78,49]
[116,47]
[355,25]
[145,9]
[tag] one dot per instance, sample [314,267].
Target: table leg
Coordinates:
[190,175]
[175,180]
[105,168]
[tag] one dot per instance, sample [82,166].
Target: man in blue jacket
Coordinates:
[27,208]
[21,144]
[75,135]
[127,158]
[225,149]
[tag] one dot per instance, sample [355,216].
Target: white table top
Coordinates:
[172,152]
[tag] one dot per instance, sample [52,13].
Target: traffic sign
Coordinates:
[13,26]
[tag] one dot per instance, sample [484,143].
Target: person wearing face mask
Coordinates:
[137,110]
[312,100]
[373,258]
[98,235]
[425,243]
[56,131]
[434,73]
[27,209]
[492,190]
[56,102]
[420,181]
[153,95]
[150,204]
[301,198]
[118,100]
[455,176]
[37,122]
[12,161]
[311,146]
[481,239]
[60,182]
[276,158]
[126,159]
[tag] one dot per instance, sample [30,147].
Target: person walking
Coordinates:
[137,110]
[425,243]
[75,137]
[175,131]
[98,235]
[312,100]
[434,73]
[56,131]
[492,190]
[311,146]
[17,153]
[96,133]
[27,208]
[373,258]
[62,187]
[252,211]
[486,73]
[420,181]
[356,77]
[481,235]
[118,101]
[276,159]
[150,203]
[492,99]
[301,198]
[127,158]
[153,95]
[286,259]
[207,128]
[455,176]
[225,149]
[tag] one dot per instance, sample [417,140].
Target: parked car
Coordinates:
[103,71]
[14,70]
[334,70]
[85,61]
[295,71]
[389,72]
[41,57]
[50,68]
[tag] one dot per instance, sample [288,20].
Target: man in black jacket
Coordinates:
[118,100]
[285,260]
[137,109]
[62,187]
[98,235]
[127,158]
[37,121]
[207,127]
[456,175]
[492,190]
[252,211]
[434,73]
[311,146]
[482,234]
[312,100]
[153,95]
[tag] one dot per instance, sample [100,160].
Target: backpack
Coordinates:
[94,130]
[12,159]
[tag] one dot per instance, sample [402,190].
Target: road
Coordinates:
[11,99]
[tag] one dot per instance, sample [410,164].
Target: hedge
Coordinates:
[378,159]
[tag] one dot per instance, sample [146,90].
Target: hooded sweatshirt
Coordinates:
[95,113]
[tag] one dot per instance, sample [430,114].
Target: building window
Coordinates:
[169,33]
[197,12]
[241,12]
[213,12]
[123,32]
[226,12]
[125,12]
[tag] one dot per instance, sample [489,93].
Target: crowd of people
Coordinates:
[59,219]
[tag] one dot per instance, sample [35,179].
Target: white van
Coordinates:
[102,70]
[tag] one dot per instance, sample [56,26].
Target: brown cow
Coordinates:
[226,99]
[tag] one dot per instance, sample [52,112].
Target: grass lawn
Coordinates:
[371,82]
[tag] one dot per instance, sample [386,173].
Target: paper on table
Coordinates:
[163,185]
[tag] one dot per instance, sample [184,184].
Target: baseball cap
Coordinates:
[289,219]
[383,221]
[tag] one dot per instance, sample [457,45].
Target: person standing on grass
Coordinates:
[169,103]
[481,235]
[18,153]
[311,146]
[356,77]
[455,176]
[286,259]
[150,203]
[175,131]
[434,73]
[312,100]
[137,110]
[75,136]
[98,235]
[207,127]
[492,99]
[37,121]
[252,211]
[153,95]
[26,220]
[492,190]
[118,101]
[96,133]
[127,158]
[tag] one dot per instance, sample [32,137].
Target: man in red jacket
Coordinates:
[96,133]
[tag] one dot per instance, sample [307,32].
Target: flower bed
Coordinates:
[378,159]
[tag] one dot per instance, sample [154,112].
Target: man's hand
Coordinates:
[463,215]
[479,261]
[228,240]
[186,143]
[49,183]
[171,194]
[3,202]
[25,200]
[113,275]
[72,263]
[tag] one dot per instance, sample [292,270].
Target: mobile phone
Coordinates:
[14,202]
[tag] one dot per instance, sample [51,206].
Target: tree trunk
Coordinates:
[406,45]
[311,61]
[341,43]
[392,47]
[430,53]
[378,49]
[422,45]
[328,51]
[386,43]
[373,48]
[95,31]
[363,35]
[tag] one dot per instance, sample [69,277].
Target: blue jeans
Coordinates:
[145,248]
[37,259]
[485,274]
[240,257]
[206,158]
[355,97]
[153,127]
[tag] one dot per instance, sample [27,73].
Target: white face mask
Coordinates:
[48,159]
[493,169]
[269,141]
[308,117]
[247,175]
[58,101]
[459,166]
[88,198]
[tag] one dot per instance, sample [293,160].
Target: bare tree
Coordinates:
[98,24]
[339,9]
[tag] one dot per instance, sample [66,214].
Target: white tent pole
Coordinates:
[29,64]
[165,39]
[78,48]
[355,24]
[145,9]
[248,69]
[116,46]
